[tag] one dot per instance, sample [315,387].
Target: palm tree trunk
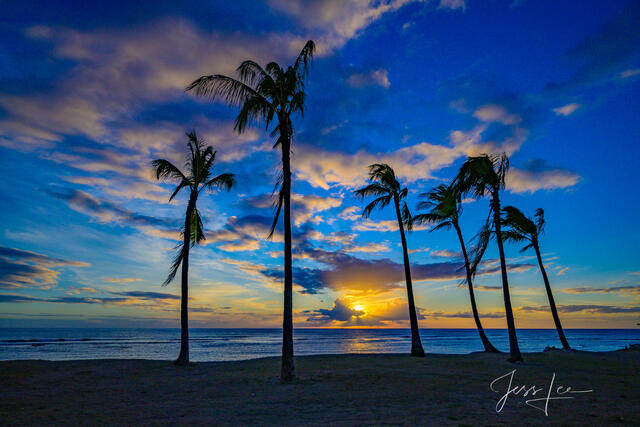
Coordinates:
[514,350]
[416,344]
[183,358]
[552,303]
[488,347]
[287,372]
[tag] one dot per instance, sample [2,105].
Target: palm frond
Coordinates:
[405,214]
[304,58]
[164,169]
[378,203]
[177,260]
[276,214]
[539,219]
[251,73]
[224,180]
[374,189]
[184,183]
[229,90]
[197,228]
[482,239]
[429,218]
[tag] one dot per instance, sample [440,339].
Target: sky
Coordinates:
[91,93]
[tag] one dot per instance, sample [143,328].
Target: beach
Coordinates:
[329,390]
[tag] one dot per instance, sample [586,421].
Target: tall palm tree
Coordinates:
[263,95]
[482,176]
[386,187]
[445,207]
[520,228]
[198,178]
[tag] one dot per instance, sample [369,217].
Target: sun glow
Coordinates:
[358,307]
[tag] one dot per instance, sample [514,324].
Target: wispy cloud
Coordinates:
[567,109]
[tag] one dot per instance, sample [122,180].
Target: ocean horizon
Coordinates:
[228,344]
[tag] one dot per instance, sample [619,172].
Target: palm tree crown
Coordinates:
[483,175]
[386,187]
[261,93]
[444,205]
[522,228]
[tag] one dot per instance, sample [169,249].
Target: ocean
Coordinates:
[240,344]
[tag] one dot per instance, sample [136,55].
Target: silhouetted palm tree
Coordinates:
[520,228]
[484,176]
[386,187]
[199,164]
[265,94]
[445,207]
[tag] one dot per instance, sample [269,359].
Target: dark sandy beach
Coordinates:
[330,390]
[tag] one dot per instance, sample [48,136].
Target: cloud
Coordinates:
[453,4]
[122,280]
[538,175]
[333,22]
[347,273]
[305,206]
[589,308]
[351,213]
[445,253]
[488,288]
[20,268]
[329,129]
[324,169]
[633,289]
[461,315]
[630,73]
[339,312]
[566,110]
[372,78]
[491,113]
[375,315]
[127,298]
[148,295]
[310,280]
[562,271]
[107,212]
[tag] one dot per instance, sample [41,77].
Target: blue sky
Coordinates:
[90,94]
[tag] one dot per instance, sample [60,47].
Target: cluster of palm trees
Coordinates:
[272,96]
[479,176]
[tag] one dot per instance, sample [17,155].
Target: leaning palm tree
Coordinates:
[445,207]
[520,228]
[386,188]
[482,176]
[198,178]
[262,95]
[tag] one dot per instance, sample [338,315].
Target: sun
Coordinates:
[358,307]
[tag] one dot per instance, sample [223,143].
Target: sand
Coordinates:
[329,390]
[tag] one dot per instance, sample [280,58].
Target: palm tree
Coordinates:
[386,187]
[199,164]
[265,94]
[520,228]
[445,207]
[481,176]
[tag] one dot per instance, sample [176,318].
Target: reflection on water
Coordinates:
[238,344]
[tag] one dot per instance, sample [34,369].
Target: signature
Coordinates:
[540,403]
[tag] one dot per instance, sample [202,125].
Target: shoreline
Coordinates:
[347,389]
